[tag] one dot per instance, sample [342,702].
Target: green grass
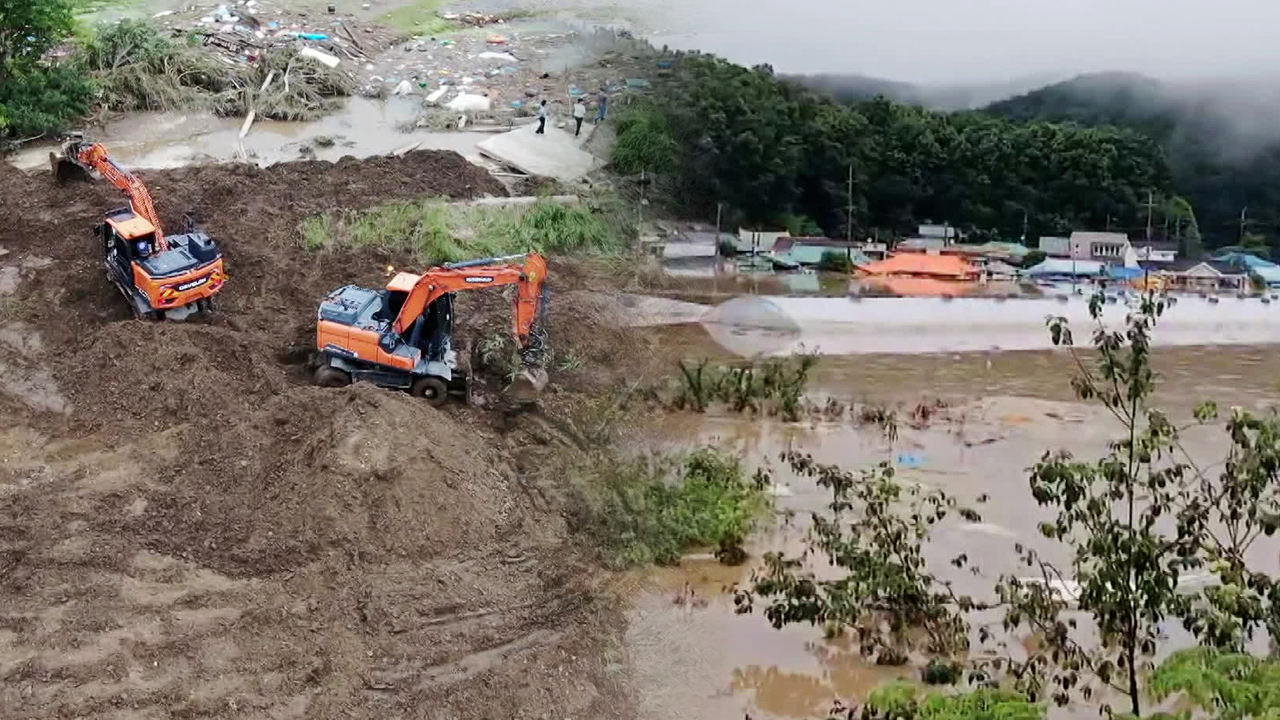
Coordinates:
[419,18]
[642,511]
[435,231]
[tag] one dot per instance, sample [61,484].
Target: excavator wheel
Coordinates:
[331,377]
[432,390]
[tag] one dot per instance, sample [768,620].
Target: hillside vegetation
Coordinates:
[770,150]
[1221,142]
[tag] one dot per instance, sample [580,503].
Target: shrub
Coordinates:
[644,143]
[642,511]
[43,100]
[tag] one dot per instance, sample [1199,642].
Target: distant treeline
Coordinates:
[772,151]
[1221,141]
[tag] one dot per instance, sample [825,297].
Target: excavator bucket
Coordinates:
[65,170]
[527,386]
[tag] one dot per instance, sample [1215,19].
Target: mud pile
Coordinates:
[198,532]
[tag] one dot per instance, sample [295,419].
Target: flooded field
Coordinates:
[364,128]
[693,657]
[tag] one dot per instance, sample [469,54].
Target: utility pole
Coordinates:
[1024,227]
[1244,222]
[1151,205]
[848,223]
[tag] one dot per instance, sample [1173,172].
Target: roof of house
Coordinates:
[1268,273]
[1092,237]
[919,264]
[1243,259]
[1059,266]
[1183,265]
[1161,245]
[1005,249]
[999,267]
[1055,245]
[922,243]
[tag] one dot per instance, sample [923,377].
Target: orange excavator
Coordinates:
[402,336]
[161,276]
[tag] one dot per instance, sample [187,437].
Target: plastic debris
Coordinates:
[436,95]
[496,39]
[404,88]
[501,56]
[470,103]
[910,460]
[322,57]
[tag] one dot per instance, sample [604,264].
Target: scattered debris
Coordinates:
[320,56]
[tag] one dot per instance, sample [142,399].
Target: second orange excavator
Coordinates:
[161,276]
[402,337]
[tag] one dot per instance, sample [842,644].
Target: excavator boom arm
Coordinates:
[477,275]
[94,157]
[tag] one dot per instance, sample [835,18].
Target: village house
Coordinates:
[1055,247]
[1108,247]
[1157,251]
[1199,275]
[810,250]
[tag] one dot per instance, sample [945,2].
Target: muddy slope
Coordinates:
[188,529]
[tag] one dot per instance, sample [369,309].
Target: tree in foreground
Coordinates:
[1151,536]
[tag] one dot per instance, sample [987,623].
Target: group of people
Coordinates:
[579,112]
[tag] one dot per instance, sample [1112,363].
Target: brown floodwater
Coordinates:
[693,657]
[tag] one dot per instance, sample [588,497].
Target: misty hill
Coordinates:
[854,88]
[1221,139]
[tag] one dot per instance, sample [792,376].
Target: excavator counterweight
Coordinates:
[161,276]
[402,336]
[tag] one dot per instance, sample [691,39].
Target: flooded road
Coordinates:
[692,657]
[772,325]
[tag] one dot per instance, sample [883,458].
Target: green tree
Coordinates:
[1255,244]
[1033,258]
[835,261]
[27,29]
[644,142]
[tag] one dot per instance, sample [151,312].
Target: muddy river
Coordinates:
[693,657]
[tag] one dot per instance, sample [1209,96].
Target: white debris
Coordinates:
[404,88]
[435,96]
[499,56]
[320,56]
[470,103]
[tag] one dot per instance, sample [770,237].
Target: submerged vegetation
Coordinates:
[435,231]
[654,510]
[773,386]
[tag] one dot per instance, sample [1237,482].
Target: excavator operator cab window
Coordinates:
[112,244]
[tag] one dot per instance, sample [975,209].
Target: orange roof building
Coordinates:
[949,267]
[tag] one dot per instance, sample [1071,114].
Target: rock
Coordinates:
[324,141]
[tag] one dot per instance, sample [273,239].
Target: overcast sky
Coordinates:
[980,40]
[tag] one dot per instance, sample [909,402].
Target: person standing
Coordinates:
[542,118]
[603,100]
[579,114]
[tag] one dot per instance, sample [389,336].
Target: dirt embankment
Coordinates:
[188,529]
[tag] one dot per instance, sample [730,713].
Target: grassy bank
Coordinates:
[434,231]
[653,510]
